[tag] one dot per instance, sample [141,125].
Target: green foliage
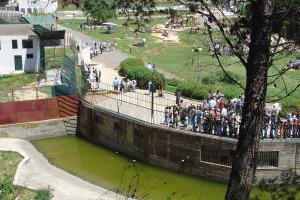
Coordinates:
[2,77]
[137,11]
[173,82]
[193,90]
[290,105]
[44,194]
[285,187]
[132,62]
[199,91]
[6,188]
[221,77]
[101,10]
[134,69]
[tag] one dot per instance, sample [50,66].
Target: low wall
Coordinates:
[186,152]
[34,130]
[27,111]
[38,110]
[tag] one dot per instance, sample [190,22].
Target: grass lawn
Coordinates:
[54,56]
[178,59]
[9,162]
[8,82]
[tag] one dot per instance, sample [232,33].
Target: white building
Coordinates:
[33,6]
[19,49]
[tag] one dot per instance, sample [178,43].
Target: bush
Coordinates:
[134,69]
[230,91]
[132,62]
[194,90]
[290,105]
[199,91]
[43,194]
[6,188]
[221,78]
[173,82]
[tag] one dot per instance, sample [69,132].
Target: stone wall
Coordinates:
[183,151]
[35,130]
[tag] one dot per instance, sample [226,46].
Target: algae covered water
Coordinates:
[111,170]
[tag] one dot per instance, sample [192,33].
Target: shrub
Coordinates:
[134,69]
[44,194]
[230,91]
[199,91]
[132,62]
[221,77]
[290,105]
[173,82]
[193,90]
[6,188]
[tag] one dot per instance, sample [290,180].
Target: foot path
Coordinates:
[35,172]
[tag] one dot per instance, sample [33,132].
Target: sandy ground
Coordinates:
[35,172]
[172,37]
[27,94]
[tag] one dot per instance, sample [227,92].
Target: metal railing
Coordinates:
[139,105]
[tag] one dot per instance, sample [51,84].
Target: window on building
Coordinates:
[18,63]
[29,56]
[27,44]
[213,154]
[14,44]
[267,159]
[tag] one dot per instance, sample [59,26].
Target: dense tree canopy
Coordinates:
[137,11]
[100,10]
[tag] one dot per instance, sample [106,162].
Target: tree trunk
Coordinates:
[244,160]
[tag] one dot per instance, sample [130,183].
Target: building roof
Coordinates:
[45,20]
[16,29]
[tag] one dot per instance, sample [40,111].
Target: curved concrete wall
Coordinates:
[186,152]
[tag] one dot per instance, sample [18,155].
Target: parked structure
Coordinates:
[19,49]
[31,6]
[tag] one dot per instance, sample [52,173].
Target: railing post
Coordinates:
[12,95]
[152,107]
[37,93]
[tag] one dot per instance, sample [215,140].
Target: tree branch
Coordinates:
[220,64]
[288,94]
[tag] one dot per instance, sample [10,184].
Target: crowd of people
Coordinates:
[92,76]
[100,47]
[122,86]
[218,117]
[213,116]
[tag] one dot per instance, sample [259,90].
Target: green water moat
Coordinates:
[116,172]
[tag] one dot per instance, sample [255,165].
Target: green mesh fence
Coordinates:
[68,78]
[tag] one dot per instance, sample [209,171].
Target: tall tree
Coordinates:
[100,10]
[137,11]
[255,32]
[244,162]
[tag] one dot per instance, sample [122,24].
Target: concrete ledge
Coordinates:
[35,130]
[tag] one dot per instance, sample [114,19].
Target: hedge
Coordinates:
[221,78]
[135,69]
[199,91]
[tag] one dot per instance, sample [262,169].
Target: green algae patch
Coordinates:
[125,175]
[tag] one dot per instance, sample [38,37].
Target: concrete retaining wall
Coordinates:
[34,130]
[186,152]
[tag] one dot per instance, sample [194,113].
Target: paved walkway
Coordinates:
[36,172]
[110,59]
